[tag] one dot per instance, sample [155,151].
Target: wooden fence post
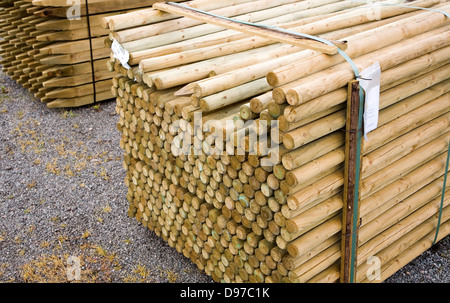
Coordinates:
[353,155]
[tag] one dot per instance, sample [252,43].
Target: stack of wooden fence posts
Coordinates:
[50,54]
[271,211]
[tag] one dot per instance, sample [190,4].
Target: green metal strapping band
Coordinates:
[441,208]
[361,106]
[357,178]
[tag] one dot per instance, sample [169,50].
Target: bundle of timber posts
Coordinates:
[242,220]
[61,61]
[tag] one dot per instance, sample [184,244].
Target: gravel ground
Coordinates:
[62,194]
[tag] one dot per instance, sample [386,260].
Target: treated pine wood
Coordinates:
[78,34]
[196,31]
[269,34]
[241,7]
[376,181]
[77,80]
[257,71]
[402,146]
[313,131]
[359,44]
[32,25]
[151,15]
[78,90]
[388,97]
[59,8]
[233,95]
[395,232]
[401,188]
[289,137]
[78,101]
[316,167]
[387,57]
[400,126]
[245,222]
[184,45]
[200,54]
[223,64]
[421,199]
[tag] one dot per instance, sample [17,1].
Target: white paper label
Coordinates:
[120,54]
[371,81]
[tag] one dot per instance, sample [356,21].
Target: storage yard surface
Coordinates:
[62,194]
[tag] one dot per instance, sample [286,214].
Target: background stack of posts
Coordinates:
[47,46]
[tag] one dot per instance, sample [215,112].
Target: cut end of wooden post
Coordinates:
[147,80]
[110,66]
[285,188]
[283,124]
[293,98]
[272,79]
[198,91]
[288,141]
[293,203]
[142,66]
[291,226]
[112,25]
[292,250]
[256,105]
[203,104]
[245,112]
[105,23]
[289,114]
[290,178]
[278,96]
[158,83]
[287,162]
